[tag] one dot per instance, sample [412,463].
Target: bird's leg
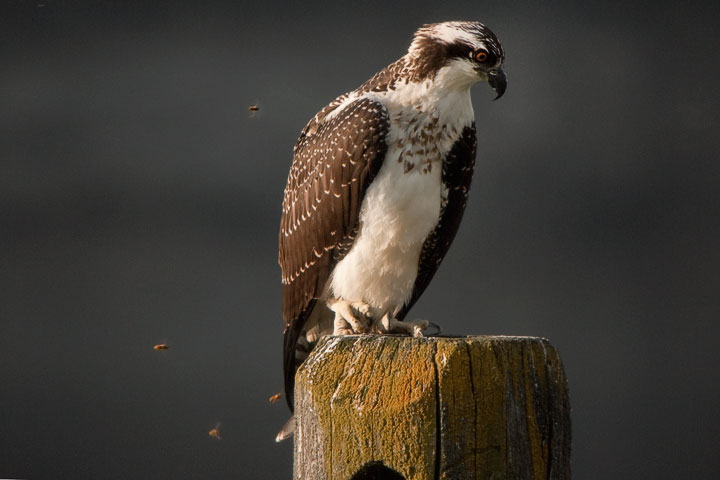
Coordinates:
[415,328]
[346,321]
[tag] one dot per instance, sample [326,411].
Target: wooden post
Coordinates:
[391,407]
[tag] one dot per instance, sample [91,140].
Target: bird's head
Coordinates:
[461,53]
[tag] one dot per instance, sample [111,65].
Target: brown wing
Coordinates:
[333,164]
[457,174]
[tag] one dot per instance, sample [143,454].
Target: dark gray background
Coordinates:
[139,204]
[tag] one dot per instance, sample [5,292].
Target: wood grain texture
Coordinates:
[433,408]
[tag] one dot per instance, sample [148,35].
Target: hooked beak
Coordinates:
[498,82]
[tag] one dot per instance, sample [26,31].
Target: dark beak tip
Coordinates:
[498,82]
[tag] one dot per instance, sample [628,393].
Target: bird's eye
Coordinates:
[481,56]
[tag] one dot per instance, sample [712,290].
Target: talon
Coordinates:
[385,323]
[415,328]
[346,321]
[435,326]
[363,308]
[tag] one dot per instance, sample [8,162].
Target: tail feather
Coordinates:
[295,349]
[287,430]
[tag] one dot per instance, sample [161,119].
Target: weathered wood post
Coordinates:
[391,407]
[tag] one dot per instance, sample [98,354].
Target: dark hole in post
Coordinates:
[376,471]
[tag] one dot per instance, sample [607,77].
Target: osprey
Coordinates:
[377,188]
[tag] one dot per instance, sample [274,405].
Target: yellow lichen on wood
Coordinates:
[449,408]
[488,377]
[457,445]
[387,405]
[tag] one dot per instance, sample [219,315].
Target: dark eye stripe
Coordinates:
[458,50]
[463,50]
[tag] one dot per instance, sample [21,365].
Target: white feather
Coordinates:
[401,206]
[452,32]
[448,32]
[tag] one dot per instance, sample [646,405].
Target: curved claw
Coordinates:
[428,331]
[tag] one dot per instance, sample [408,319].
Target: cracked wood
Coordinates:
[433,408]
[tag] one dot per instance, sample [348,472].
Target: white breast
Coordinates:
[402,205]
[399,212]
